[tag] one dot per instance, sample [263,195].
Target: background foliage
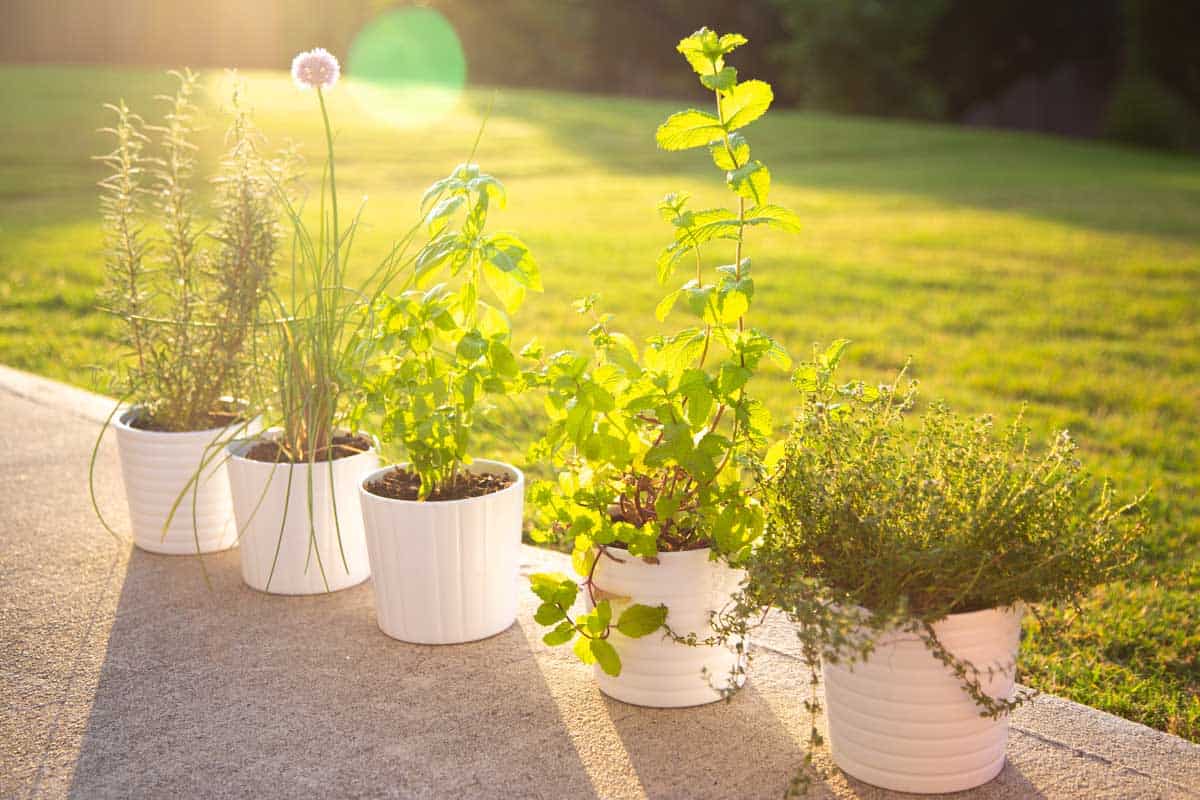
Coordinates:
[1124,68]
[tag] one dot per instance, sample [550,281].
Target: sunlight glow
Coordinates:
[407,68]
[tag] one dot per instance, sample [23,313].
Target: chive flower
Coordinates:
[315,69]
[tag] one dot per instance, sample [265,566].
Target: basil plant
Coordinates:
[437,349]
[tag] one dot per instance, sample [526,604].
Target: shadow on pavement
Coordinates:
[226,691]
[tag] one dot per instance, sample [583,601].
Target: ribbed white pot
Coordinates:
[656,671]
[156,468]
[446,571]
[900,720]
[285,549]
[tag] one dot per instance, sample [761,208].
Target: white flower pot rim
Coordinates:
[675,555]
[120,421]
[965,617]
[518,483]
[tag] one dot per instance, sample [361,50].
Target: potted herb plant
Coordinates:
[651,445]
[189,298]
[295,488]
[443,530]
[908,549]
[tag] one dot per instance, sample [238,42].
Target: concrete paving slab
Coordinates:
[124,674]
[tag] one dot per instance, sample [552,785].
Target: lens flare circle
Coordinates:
[407,68]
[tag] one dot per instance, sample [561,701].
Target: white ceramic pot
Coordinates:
[655,670]
[157,469]
[446,571]
[285,549]
[900,720]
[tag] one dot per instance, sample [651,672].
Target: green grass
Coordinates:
[1012,269]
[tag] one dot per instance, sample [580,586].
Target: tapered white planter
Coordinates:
[157,468]
[902,721]
[445,571]
[655,670]
[285,549]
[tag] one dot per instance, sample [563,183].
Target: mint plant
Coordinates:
[651,445]
[438,350]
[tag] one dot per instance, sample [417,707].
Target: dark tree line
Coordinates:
[1123,68]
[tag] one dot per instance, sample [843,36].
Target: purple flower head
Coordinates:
[315,69]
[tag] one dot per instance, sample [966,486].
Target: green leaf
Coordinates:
[509,254]
[775,217]
[606,655]
[560,635]
[731,41]
[745,103]
[731,378]
[739,147]
[435,191]
[471,346]
[487,185]
[433,255]
[506,286]
[439,216]
[583,650]
[751,181]
[703,51]
[706,51]
[603,615]
[723,81]
[665,305]
[548,614]
[641,620]
[554,587]
[545,584]
[833,354]
[688,129]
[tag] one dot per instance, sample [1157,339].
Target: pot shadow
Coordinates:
[735,748]
[223,690]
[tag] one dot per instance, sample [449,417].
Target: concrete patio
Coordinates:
[126,675]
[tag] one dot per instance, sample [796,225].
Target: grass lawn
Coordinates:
[1011,268]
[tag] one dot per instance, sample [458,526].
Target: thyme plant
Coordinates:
[651,445]
[439,349]
[189,295]
[877,521]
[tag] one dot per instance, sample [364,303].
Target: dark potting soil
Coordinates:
[343,446]
[215,419]
[400,484]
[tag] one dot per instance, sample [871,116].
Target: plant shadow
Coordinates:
[229,691]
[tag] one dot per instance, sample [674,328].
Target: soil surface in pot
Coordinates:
[214,419]
[400,484]
[343,446]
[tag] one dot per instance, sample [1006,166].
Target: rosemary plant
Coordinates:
[189,299]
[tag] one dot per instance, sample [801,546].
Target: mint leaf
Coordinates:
[548,614]
[751,181]
[687,129]
[745,103]
[606,655]
[723,80]
[641,620]
[560,635]
[721,152]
